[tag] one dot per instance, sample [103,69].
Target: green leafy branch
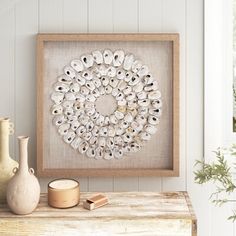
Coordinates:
[219,173]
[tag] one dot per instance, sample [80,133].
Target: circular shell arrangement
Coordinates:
[106,104]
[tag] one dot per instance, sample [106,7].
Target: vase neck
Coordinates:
[4,140]
[23,162]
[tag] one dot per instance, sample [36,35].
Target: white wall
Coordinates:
[21,20]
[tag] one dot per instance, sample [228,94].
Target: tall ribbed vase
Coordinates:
[6,162]
[23,190]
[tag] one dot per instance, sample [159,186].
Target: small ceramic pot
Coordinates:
[63,193]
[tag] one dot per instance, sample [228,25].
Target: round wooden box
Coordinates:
[63,193]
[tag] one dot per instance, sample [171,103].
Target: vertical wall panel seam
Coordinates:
[162,10]
[113,28]
[138,15]
[138,28]
[87,16]
[39,30]
[88,32]
[203,107]
[63,17]
[185,92]
[14,85]
[112,6]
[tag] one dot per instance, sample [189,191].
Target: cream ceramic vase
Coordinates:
[23,190]
[7,164]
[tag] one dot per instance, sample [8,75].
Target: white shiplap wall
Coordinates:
[21,20]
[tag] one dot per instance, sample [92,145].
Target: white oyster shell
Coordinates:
[77,65]
[141,119]
[96,93]
[111,71]
[105,81]
[97,57]
[119,115]
[89,126]
[87,60]
[120,74]
[119,96]
[118,57]
[68,138]
[113,82]
[108,89]
[144,102]
[156,103]
[86,136]
[135,147]
[128,76]
[61,87]
[115,92]
[80,80]
[141,95]
[107,56]
[84,91]
[59,120]
[143,71]
[102,142]
[127,90]
[122,84]
[128,118]
[138,88]
[70,96]
[111,131]
[153,120]
[90,98]
[69,71]
[130,96]
[63,129]
[155,112]
[87,75]
[151,86]
[118,153]
[122,102]
[145,136]
[57,109]
[91,152]
[108,154]
[113,119]
[74,87]
[103,131]
[83,147]
[75,143]
[134,80]
[99,153]
[136,66]
[95,131]
[64,79]
[90,85]
[151,129]
[81,130]
[154,95]
[57,97]
[128,61]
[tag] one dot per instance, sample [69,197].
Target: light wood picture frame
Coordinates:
[161,51]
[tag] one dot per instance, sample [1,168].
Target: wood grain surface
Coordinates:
[131,213]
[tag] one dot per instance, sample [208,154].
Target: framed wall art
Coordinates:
[108,104]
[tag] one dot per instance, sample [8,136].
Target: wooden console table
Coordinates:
[128,213]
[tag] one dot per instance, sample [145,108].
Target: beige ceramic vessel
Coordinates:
[23,190]
[7,164]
